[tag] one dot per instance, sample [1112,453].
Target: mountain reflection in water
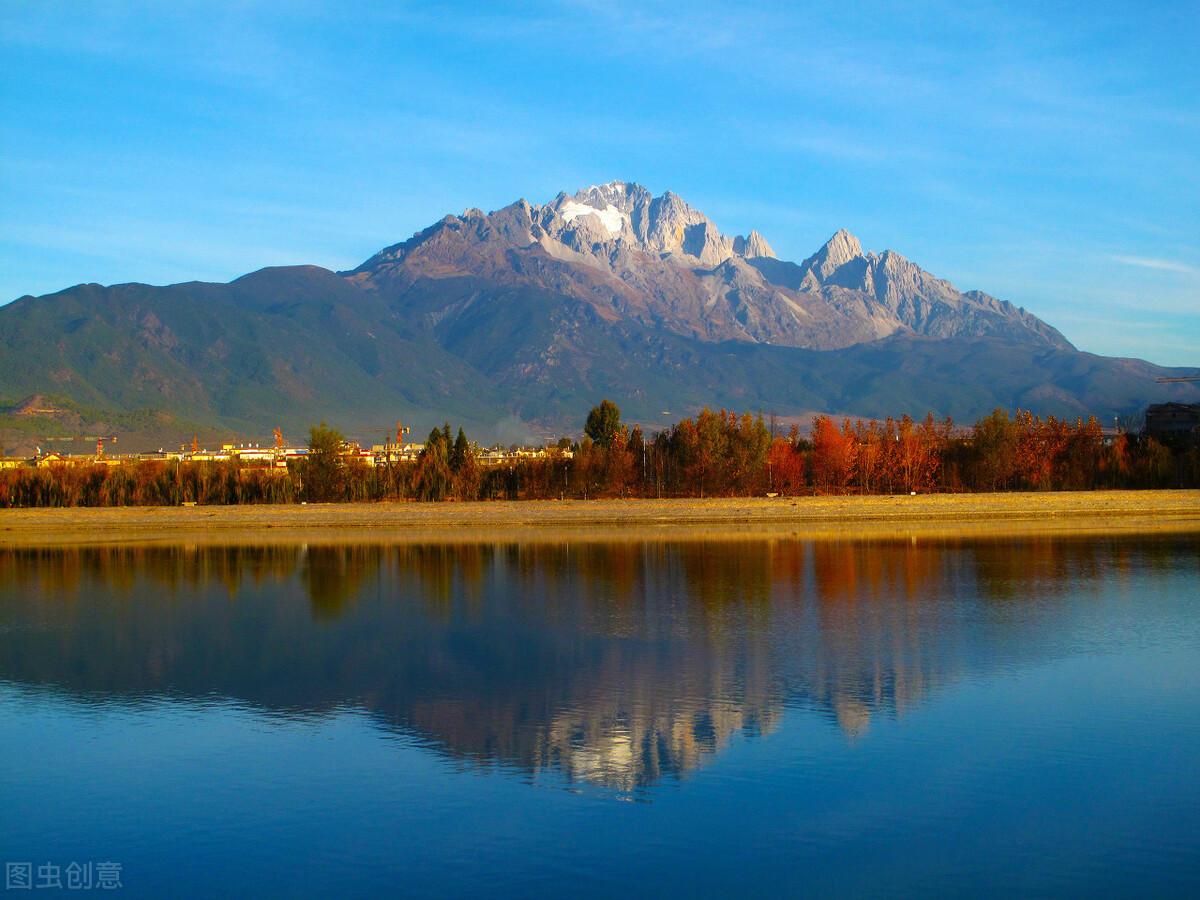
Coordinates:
[616,664]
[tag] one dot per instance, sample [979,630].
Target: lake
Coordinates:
[743,717]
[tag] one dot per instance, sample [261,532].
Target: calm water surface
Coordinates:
[915,717]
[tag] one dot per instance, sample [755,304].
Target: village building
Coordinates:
[277,456]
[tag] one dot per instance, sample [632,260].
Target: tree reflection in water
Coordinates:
[615,663]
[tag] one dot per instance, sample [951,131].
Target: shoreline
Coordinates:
[930,515]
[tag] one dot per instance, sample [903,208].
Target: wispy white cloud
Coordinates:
[1161,265]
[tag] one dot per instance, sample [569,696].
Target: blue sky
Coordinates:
[1048,156]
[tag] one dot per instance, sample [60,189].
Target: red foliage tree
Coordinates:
[834,455]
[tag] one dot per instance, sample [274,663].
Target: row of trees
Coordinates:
[447,468]
[717,453]
[722,454]
[149,483]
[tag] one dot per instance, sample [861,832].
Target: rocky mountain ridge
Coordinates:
[660,262]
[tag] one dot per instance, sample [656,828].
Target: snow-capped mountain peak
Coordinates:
[610,217]
[660,261]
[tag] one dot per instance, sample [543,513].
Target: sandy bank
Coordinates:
[948,514]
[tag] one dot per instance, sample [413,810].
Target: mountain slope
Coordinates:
[532,313]
[293,344]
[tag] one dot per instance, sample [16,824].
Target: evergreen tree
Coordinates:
[603,424]
[459,453]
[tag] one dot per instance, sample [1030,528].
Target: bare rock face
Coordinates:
[658,261]
[753,246]
[839,250]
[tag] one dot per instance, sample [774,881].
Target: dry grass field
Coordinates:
[939,514]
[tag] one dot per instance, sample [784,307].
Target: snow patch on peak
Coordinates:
[610,217]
